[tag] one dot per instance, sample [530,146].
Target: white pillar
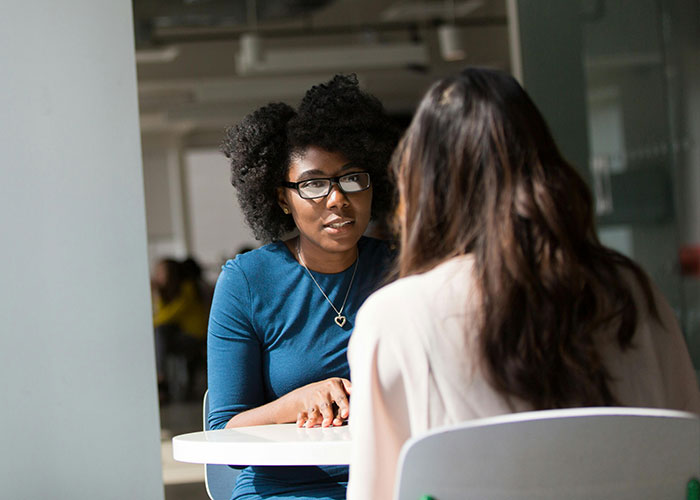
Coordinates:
[166,199]
[79,413]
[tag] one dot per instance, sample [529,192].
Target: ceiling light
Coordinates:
[338,58]
[250,51]
[157,56]
[451,43]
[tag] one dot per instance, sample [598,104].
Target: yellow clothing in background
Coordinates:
[186,311]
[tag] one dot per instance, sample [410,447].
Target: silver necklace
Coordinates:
[339,319]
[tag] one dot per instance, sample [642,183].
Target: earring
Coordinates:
[285,210]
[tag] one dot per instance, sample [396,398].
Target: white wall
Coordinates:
[165,206]
[79,408]
[216,225]
[191,206]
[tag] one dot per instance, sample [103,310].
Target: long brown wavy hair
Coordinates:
[479,173]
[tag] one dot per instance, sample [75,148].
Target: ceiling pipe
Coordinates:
[333,58]
[180,34]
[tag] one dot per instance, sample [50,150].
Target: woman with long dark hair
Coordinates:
[506,301]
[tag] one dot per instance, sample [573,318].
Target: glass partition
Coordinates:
[642,93]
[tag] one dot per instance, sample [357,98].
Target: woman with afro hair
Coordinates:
[308,182]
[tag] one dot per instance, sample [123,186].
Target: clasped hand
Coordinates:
[323,403]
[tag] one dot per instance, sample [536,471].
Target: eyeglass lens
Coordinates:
[350,183]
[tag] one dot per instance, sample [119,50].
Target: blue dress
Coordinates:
[272,331]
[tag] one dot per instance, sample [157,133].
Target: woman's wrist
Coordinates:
[279,411]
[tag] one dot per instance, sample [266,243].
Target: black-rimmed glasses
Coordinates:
[318,188]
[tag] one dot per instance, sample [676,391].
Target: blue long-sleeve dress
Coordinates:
[272,331]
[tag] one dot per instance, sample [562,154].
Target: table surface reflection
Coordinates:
[283,444]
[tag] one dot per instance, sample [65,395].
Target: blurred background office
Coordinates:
[618,81]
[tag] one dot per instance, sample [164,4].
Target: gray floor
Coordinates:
[185,491]
[182,481]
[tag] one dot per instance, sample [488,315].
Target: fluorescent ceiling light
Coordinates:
[157,56]
[348,57]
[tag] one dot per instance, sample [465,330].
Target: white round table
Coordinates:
[283,444]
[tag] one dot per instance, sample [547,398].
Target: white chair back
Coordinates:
[577,454]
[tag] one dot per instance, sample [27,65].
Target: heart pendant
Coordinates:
[340,320]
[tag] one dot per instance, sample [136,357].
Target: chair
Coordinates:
[218,479]
[577,454]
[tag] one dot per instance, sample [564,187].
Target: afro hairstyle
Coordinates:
[336,116]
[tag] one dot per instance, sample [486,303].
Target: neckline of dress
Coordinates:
[292,258]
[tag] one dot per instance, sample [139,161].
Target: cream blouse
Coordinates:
[413,366]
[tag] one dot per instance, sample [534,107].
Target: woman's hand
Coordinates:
[323,403]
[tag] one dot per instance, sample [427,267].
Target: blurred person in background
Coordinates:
[506,300]
[180,316]
[192,272]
